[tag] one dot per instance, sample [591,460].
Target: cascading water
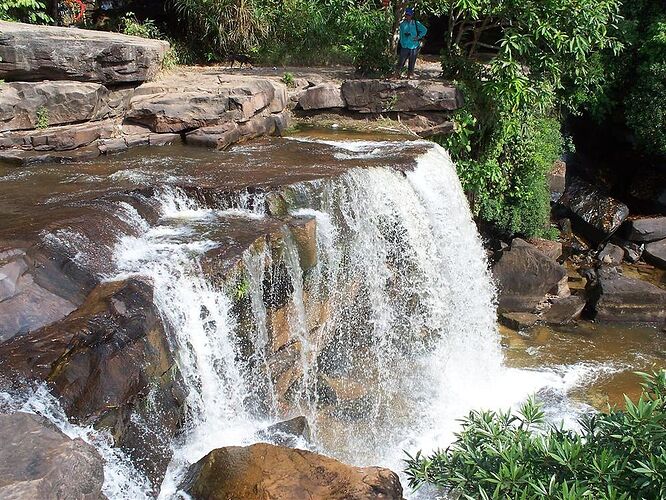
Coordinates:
[406,340]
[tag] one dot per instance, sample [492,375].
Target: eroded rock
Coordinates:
[107,361]
[265,471]
[655,253]
[525,275]
[617,298]
[39,461]
[34,52]
[323,96]
[287,433]
[379,96]
[27,105]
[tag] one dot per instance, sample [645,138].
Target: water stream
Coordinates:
[405,336]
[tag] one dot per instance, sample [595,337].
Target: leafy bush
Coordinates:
[130,25]
[26,11]
[617,455]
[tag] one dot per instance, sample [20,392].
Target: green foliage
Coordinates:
[646,108]
[520,64]
[288,79]
[42,117]
[221,27]
[25,11]
[130,25]
[617,455]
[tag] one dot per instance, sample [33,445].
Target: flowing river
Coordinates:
[383,339]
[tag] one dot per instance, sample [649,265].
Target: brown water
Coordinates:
[607,354]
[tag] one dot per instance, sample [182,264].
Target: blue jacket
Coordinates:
[410,33]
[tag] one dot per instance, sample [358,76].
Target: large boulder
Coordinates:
[617,298]
[39,461]
[178,106]
[655,253]
[110,364]
[596,214]
[27,105]
[264,471]
[323,96]
[380,96]
[524,275]
[31,53]
[647,229]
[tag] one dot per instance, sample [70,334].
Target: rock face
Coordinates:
[30,53]
[597,215]
[287,433]
[108,359]
[621,299]
[655,253]
[41,104]
[379,96]
[524,276]
[264,471]
[39,461]
[322,96]
[645,230]
[564,310]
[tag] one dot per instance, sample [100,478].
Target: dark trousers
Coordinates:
[404,55]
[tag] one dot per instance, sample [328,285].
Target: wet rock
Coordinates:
[379,96]
[557,180]
[26,105]
[611,255]
[551,249]
[287,433]
[524,276]
[265,471]
[110,364]
[596,214]
[34,157]
[518,321]
[655,253]
[39,461]
[645,230]
[617,298]
[31,52]
[10,273]
[323,96]
[304,232]
[564,310]
[223,136]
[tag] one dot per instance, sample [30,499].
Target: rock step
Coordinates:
[32,52]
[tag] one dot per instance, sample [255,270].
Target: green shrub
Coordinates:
[26,11]
[42,117]
[288,79]
[130,25]
[617,455]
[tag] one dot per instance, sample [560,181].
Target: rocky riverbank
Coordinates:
[71,94]
[607,265]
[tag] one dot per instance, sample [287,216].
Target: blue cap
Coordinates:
[409,11]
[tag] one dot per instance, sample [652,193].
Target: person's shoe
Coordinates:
[410,76]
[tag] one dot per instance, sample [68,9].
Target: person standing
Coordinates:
[411,34]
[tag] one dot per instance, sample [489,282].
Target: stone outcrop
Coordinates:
[646,230]
[596,214]
[108,360]
[564,310]
[524,276]
[322,96]
[31,53]
[39,461]
[380,96]
[265,471]
[617,298]
[30,105]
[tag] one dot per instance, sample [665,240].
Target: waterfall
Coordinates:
[393,329]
